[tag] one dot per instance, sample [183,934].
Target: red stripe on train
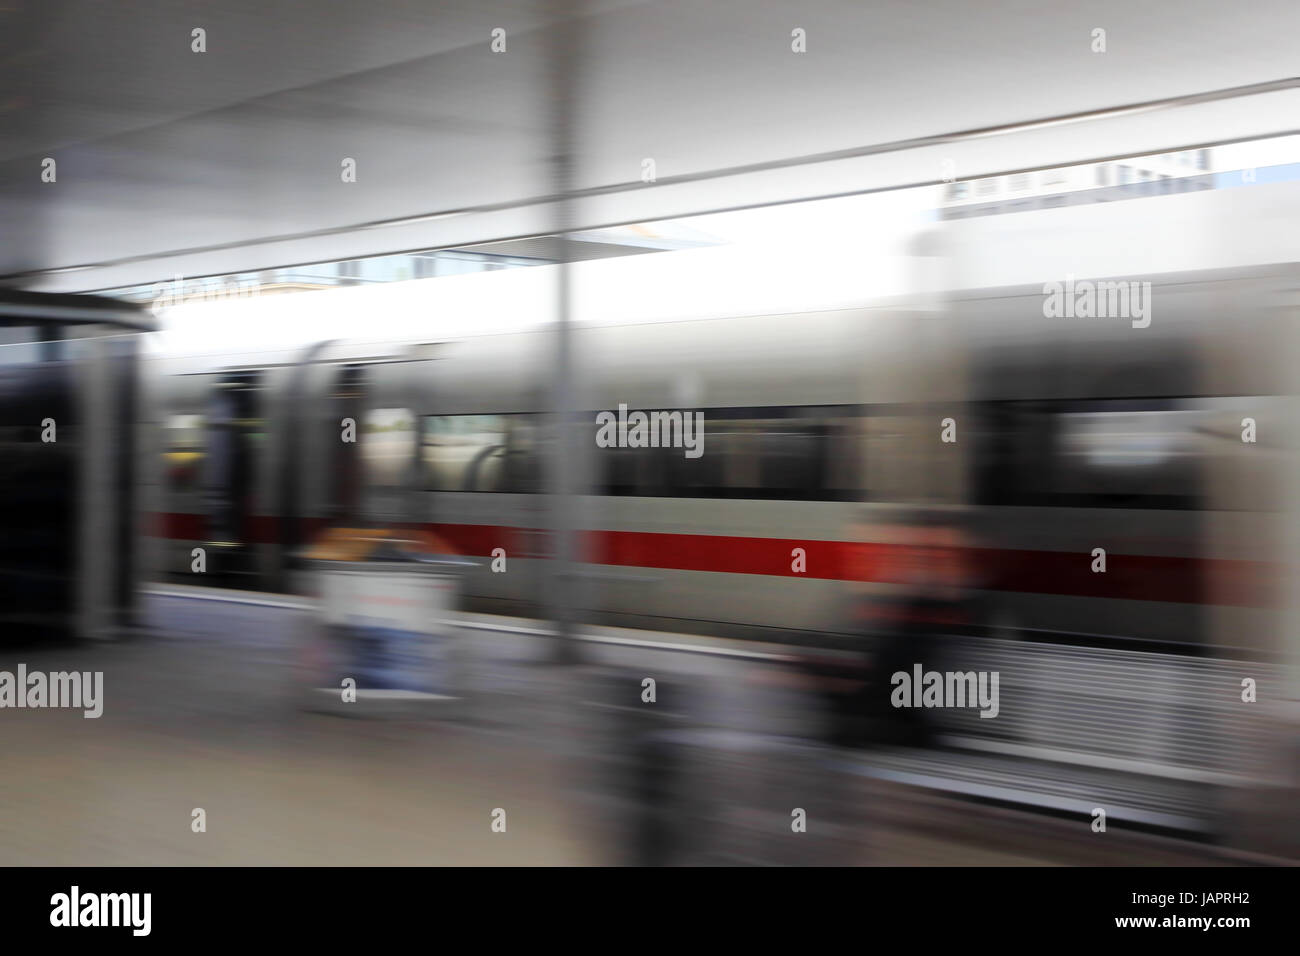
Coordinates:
[1132,577]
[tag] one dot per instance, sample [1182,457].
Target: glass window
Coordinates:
[729,465]
[801,453]
[464,452]
[1126,453]
[183,451]
[1116,454]
[633,471]
[494,453]
[775,453]
[793,460]
[387,446]
[523,463]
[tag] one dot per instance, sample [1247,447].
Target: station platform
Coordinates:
[201,711]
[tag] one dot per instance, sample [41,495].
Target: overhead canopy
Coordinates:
[170,161]
[22,308]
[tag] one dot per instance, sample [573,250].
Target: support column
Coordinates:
[563,70]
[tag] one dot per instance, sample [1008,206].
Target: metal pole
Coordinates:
[563,69]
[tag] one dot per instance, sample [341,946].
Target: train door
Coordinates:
[233,520]
[364,442]
[343,455]
[323,479]
[389,429]
[298,479]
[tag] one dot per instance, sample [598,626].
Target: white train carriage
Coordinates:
[823,393]
[1160,438]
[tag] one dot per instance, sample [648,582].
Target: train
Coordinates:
[836,396]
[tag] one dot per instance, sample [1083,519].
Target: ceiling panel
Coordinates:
[170,161]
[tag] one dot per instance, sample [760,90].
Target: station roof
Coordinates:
[18,307]
[170,161]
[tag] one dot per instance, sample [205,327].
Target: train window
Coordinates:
[727,466]
[387,446]
[888,452]
[797,453]
[495,453]
[793,460]
[1107,454]
[633,471]
[807,454]
[183,451]
[1127,454]
[523,473]
[464,452]
[843,476]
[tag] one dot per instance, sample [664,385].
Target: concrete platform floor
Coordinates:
[203,712]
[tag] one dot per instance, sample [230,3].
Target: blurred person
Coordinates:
[922,557]
[932,604]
